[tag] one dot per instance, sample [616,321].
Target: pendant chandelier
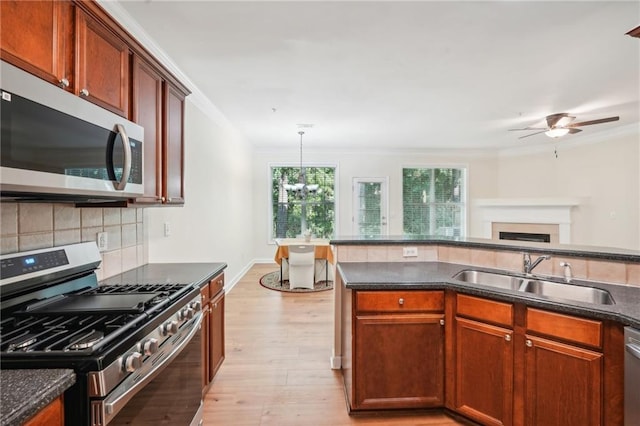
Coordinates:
[301,189]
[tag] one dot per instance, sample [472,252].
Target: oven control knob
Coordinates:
[169,328]
[133,361]
[197,306]
[150,346]
[187,313]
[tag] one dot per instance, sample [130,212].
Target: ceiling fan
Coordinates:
[562,123]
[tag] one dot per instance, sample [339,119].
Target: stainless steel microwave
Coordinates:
[54,144]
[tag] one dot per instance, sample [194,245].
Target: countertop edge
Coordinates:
[604,253]
[441,280]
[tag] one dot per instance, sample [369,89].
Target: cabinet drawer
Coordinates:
[485,310]
[569,328]
[205,295]
[216,284]
[399,301]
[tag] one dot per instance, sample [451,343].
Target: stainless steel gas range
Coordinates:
[135,348]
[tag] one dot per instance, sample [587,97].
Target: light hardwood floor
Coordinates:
[276,370]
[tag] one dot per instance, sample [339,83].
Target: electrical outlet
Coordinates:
[409,251]
[167,229]
[102,241]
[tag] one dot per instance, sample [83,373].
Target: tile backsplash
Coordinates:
[29,226]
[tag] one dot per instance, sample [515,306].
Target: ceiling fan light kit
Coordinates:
[560,124]
[557,132]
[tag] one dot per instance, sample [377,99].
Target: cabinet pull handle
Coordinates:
[401,301]
[441,322]
[63,82]
[507,337]
[84,92]
[529,343]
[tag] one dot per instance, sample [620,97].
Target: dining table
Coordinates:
[322,250]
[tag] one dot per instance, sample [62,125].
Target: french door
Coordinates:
[370,207]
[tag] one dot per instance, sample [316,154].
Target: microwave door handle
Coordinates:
[126,170]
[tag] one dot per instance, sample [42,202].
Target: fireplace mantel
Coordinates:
[556,211]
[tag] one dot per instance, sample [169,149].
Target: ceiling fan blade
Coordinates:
[590,122]
[529,128]
[531,134]
[553,119]
[572,130]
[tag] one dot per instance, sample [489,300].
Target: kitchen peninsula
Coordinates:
[452,341]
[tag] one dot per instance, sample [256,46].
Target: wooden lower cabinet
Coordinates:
[216,334]
[567,383]
[213,352]
[530,367]
[506,363]
[51,415]
[398,351]
[484,372]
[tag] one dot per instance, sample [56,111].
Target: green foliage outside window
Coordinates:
[287,213]
[433,201]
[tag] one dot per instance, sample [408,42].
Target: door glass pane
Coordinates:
[369,208]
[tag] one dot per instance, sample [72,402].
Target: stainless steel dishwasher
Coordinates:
[631,377]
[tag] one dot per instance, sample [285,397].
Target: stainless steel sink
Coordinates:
[537,287]
[489,278]
[568,292]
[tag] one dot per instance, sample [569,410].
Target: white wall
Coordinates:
[605,171]
[215,224]
[482,171]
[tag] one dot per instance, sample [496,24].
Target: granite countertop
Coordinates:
[25,392]
[438,275]
[605,253]
[167,273]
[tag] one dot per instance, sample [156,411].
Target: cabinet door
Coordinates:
[102,65]
[204,297]
[173,146]
[398,361]
[566,382]
[37,36]
[484,372]
[216,335]
[51,415]
[147,112]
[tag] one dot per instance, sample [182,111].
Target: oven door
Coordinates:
[171,394]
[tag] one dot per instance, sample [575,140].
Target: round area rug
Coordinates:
[272,282]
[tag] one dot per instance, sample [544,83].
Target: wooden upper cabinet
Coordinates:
[173,178]
[147,112]
[44,46]
[102,65]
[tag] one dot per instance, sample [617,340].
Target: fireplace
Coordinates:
[540,220]
[525,236]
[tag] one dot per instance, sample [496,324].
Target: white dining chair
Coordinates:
[301,266]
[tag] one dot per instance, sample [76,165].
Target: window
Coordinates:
[433,201]
[292,212]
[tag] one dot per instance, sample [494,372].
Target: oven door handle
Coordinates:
[634,350]
[113,407]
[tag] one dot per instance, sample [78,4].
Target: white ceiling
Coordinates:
[407,75]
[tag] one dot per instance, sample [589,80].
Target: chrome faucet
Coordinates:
[527,265]
[568,276]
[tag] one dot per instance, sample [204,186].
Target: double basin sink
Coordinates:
[536,286]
